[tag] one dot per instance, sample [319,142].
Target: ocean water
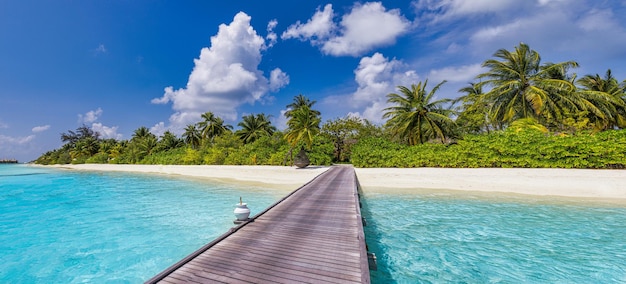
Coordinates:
[77,227]
[452,238]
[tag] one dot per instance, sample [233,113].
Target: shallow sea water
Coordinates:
[77,227]
[460,238]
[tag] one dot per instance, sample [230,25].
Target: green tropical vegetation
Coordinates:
[520,112]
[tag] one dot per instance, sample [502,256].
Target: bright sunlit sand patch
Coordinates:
[597,184]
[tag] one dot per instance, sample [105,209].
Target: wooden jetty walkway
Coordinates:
[314,235]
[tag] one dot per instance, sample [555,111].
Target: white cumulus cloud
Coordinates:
[365,27]
[278,79]
[106,132]
[90,116]
[159,129]
[318,27]
[376,76]
[41,128]
[225,76]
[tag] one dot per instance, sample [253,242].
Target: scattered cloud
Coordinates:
[224,77]
[319,27]
[441,10]
[271,35]
[281,121]
[101,49]
[158,129]
[364,28]
[598,20]
[3,125]
[278,79]
[376,76]
[560,30]
[8,140]
[42,128]
[91,117]
[457,74]
[105,131]
[367,26]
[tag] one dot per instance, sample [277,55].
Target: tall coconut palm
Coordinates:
[414,114]
[212,126]
[522,87]
[141,133]
[254,127]
[303,125]
[142,142]
[192,136]
[607,100]
[300,101]
[168,141]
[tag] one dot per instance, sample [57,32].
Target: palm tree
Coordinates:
[298,102]
[522,87]
[141,133]
[212,126]
[142,143]
[303,125]
[192,136]
[168,141]
[607,100]
[474,110]
[254,127]
[415,116]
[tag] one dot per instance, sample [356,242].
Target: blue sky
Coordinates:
[119,65]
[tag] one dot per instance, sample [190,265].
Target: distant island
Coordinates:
[8,161]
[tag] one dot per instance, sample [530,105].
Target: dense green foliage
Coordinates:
[526,148]
[520,113]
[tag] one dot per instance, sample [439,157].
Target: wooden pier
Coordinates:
[314,235]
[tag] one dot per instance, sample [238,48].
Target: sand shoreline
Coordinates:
[600,184]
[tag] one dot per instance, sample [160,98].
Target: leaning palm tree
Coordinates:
[254,127]
[522,87]
[212,126]
[192,136]
[413,114]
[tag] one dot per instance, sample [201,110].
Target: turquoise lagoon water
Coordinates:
[452,238]
[76,227]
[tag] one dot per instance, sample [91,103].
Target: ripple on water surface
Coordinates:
[429,238]
[69,227]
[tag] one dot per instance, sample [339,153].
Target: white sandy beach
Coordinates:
[604,184]
[284,178]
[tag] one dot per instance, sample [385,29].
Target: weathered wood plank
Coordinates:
[314,235]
